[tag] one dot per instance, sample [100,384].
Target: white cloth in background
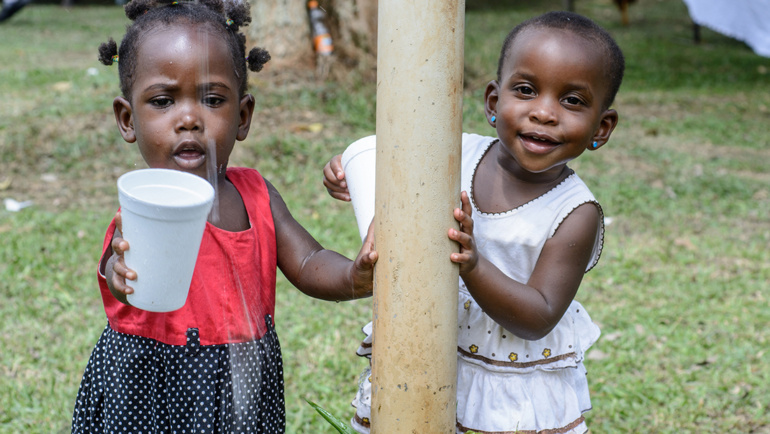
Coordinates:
[745,20]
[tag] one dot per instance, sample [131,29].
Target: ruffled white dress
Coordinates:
[506,384]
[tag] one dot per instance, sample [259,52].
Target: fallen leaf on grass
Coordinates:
[686,243]
[62,86]
[313,128]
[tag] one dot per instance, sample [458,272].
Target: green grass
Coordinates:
[681,292]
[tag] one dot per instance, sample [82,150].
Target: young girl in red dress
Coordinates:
[215,364]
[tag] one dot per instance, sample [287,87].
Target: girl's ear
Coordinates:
[490,101]
[246,110]
[125,118]
[607,123]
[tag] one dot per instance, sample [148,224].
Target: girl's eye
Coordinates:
[213,100]
[524,90]
[573,100]
[161,102]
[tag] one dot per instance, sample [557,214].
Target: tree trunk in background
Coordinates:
[354,24]
[283,28]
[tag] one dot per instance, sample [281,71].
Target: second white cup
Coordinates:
[358,162]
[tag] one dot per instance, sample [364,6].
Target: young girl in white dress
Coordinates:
[529,228]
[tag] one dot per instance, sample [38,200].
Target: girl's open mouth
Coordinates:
[538,143]
[190,157]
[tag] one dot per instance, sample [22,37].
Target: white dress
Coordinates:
[506,384]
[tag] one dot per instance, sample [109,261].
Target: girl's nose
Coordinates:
[189,119]
[543,111]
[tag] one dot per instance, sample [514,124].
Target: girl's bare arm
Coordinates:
[316,271]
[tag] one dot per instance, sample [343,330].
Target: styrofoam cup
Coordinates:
[164,215]
[358,162]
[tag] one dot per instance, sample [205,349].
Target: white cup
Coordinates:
[164,215]
[358,162]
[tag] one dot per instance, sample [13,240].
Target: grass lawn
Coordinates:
[681,293]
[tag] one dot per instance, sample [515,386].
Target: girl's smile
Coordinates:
[538,143]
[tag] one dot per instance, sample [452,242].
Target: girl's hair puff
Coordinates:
[224,17]
[583,27]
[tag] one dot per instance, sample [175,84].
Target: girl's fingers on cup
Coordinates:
[333,172]
[328,174]
[119,246]
[120,269]
[119,283]
[335,165]
[118,265]
[119,221]
[336,188]
[339,195]
[125,289]
[333,185]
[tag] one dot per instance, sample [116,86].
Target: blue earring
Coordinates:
[595,145]
[493,118]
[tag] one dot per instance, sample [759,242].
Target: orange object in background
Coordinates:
[322,40]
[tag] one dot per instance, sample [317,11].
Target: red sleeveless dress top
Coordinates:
[233,285]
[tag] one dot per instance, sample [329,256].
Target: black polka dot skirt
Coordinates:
[138,385]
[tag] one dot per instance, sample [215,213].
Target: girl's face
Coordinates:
[549,101]
[185,112]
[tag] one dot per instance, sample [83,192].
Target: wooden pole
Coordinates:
[419,128]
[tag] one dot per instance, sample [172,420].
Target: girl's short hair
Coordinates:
[224,17]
